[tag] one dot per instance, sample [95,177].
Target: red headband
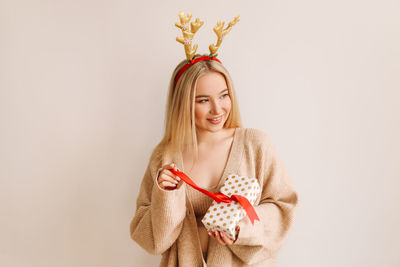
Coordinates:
[193,61]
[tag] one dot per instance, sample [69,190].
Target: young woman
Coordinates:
[204,139]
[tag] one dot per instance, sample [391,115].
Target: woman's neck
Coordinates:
[211,138]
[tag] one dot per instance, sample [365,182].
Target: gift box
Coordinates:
[223,216]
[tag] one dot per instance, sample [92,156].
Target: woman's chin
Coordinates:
[212,128]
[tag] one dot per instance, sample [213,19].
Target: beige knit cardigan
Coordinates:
[164,221]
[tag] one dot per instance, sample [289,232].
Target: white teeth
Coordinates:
[215,119]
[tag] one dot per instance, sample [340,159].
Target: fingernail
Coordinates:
[177,178]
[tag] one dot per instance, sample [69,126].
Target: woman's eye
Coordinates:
[225,95]
[203,101]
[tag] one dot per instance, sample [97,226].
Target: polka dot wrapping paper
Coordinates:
[224,217]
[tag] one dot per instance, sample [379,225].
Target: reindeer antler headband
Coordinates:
[188,33]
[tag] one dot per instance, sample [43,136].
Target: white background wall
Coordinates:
[83,88]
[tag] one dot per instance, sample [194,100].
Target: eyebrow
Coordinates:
[198,96]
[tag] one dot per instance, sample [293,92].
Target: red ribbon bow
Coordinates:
[220,197]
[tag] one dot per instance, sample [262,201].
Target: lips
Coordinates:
[215,120]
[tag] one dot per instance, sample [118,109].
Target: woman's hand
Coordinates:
[222,238]
[166,179]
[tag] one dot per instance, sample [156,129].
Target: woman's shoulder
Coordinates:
[162,154]
[156,159]
[256,137]
[157,152]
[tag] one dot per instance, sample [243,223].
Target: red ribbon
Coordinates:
[187,65]
[220,197]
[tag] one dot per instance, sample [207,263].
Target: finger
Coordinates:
[172,166]
[225,238]
[165,178]
[237,232]
[167,184]
[166,169]
[168,172]
[220,238]
[212,234]
[216,234]
[173,176]
[170,176]
[168,166]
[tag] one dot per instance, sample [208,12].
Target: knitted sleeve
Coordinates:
[276,208]
[159,214]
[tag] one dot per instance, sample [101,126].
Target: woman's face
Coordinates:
[212,103]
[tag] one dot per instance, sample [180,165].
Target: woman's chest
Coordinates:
[209,168]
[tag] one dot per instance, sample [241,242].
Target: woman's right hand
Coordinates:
[167,180]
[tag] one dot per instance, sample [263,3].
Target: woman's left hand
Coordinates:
[222,238]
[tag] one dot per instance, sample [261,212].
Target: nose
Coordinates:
[216,108]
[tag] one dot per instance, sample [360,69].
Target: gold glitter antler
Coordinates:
[221,32]
[188,34]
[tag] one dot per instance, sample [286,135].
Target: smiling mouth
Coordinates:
[216,119]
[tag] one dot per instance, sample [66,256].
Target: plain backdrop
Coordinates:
[83,88]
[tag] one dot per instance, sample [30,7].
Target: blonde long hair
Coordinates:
[180,128]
